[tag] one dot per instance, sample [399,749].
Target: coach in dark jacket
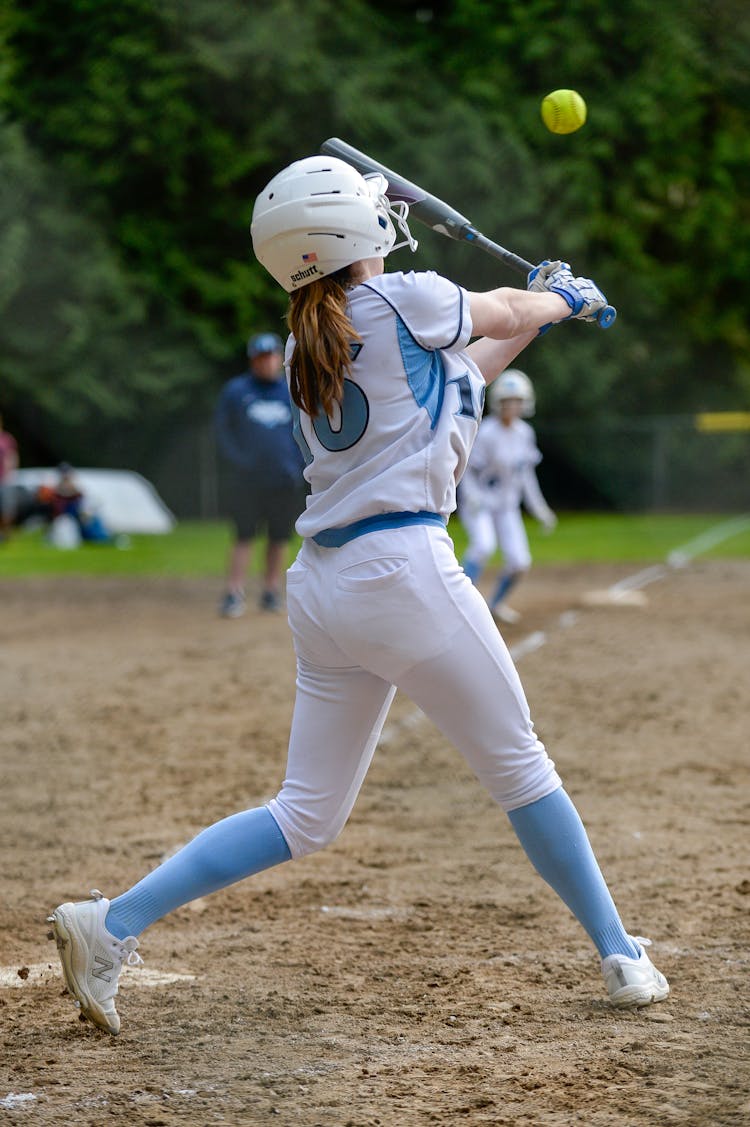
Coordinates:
[266,487]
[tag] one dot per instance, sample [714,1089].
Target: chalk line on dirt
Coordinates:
[17,1099]
[36,974]
[708,539]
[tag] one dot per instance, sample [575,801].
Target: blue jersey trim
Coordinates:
[336,537]
[425,372]
[460,318]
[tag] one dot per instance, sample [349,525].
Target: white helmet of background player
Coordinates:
[513,384]
[320,215]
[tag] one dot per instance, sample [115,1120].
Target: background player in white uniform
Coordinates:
[388,393]
[499,479]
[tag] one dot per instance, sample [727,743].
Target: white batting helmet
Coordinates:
[513,384]
[320,215]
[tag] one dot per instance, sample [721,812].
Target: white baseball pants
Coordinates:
[488,530]
[389,610]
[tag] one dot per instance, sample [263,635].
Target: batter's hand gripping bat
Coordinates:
[439,215]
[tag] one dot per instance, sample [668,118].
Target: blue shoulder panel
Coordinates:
[425,373]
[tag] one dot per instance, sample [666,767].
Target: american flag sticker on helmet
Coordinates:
[309,258]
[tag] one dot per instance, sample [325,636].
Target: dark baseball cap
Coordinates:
[264,342]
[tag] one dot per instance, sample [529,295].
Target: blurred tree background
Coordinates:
[135,135]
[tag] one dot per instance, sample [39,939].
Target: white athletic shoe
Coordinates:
[634,982]
[92,958]
[501,612]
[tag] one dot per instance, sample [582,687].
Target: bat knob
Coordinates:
[607,316]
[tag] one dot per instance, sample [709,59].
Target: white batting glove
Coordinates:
[582,294]
[549,522]
[537,279]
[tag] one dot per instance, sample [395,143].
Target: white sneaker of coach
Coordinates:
[92,957]
[634,982]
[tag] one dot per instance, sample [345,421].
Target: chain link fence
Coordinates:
[682,463]
[677,463]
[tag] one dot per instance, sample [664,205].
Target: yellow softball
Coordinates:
[563,111]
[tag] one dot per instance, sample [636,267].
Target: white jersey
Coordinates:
[502,469]
[410,410]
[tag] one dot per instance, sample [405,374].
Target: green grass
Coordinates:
[194,548]
[613,537]
[199,548]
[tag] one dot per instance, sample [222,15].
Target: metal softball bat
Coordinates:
[437,214]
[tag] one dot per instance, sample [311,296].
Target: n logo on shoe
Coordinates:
[100,971]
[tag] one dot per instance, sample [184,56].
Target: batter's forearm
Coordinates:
[506,313]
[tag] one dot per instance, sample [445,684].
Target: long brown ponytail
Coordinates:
[323,336]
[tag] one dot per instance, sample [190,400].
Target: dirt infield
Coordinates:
[416,972]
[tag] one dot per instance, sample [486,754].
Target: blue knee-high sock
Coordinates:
[556,843]
[505,584]
[473,569]
[226,852]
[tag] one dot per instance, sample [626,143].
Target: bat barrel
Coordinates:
[335,147]
[428,209]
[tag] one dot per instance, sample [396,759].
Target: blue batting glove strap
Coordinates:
[567,289]
[592,299]
[582,295]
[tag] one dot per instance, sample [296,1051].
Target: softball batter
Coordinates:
[388,391]
[500,477]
